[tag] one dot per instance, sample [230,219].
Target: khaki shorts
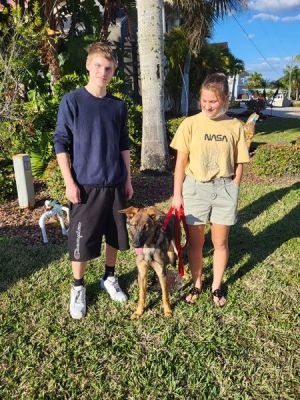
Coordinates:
[213,202]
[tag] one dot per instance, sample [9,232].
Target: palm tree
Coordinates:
[198,16]
[256,80]
[291,72]
[236,66]
[150,42]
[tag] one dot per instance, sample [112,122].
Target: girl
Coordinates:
[211,149]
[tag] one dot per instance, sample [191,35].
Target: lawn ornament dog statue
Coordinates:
[53,208]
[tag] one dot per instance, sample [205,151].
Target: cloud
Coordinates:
[272,65]
[291,19]
[273,59]
[251,36]
[274,5]
[274,18]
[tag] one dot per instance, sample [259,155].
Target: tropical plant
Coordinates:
[256,80]
[23,71]
[235,67]
[176,49]
[198,15]
[197,18]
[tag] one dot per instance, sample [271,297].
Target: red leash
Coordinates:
[179,217]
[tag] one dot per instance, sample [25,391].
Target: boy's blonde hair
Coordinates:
[218,84]
[104,50]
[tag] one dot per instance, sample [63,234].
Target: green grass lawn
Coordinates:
[277,131]
[247,350]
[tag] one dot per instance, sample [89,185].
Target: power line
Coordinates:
[253,43]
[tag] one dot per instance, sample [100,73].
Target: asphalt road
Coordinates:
[286,112]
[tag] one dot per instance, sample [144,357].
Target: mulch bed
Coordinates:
[24,223]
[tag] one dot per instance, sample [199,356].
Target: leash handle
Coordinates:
[179,217]
[167,218]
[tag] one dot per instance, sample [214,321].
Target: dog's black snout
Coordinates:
[139,239]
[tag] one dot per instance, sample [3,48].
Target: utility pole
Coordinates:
[290,79]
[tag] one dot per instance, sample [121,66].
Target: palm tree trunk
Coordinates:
[184,106]
[150,40]
[233,87]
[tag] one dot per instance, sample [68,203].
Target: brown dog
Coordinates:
[155,247]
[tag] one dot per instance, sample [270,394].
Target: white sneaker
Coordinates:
[77,302]
[111,286]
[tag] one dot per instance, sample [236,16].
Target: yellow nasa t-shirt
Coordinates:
[214,147]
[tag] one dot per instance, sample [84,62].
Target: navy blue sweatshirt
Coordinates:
[93,131]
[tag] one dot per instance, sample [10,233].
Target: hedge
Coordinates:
[277,160]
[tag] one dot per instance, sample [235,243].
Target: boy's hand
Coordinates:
[128,190]
[73,193]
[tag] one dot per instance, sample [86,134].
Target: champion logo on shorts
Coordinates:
[78,237]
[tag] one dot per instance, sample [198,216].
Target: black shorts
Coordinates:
[97,216]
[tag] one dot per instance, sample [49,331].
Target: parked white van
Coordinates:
[280,100]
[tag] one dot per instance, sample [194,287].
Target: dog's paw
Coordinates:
[136,315]
[168,313]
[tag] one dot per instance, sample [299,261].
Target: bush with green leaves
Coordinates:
[7,181]
[277,160]
[172,126]
[256,105]
[29,98]
[134,123]
[55,183]
[234,104]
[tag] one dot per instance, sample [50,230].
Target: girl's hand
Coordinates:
[177,202]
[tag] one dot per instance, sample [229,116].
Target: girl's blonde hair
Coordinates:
[104,50]
[218,83]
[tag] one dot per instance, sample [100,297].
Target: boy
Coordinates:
[92,146]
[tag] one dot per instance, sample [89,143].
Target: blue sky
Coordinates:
[272,35]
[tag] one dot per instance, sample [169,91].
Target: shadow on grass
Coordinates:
[151,189]
[275,124]
[260,246]
[19,261]
[264,244]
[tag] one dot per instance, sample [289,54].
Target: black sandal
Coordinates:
[194,292]
[219,293]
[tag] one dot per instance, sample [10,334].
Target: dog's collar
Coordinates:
[138,251]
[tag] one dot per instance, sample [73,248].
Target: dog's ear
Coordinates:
[154,213]
[130,211]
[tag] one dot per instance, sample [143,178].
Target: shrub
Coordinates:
[277,160]
[256,105]
[172,126]
[55,183]
[234,104]
[7,181]
[134,120]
